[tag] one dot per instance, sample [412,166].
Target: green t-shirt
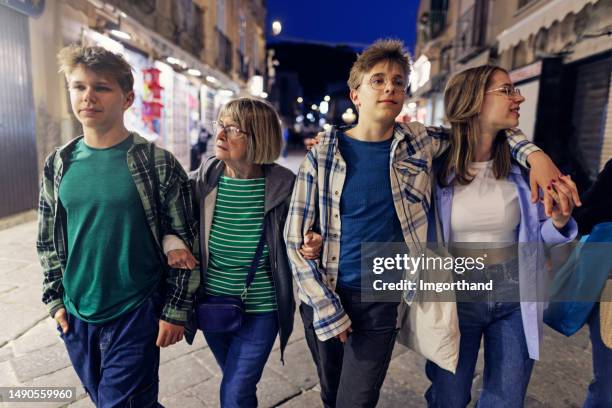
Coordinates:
[112,264]
[236,230]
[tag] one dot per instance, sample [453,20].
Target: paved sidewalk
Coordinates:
[32,354]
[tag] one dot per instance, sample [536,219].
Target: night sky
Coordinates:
[351,22]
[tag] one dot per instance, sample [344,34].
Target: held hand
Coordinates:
[343,337]
[311,141]
[62,319]
[181,259]
[169,334]
[312,245]
[560,190]
[543,172]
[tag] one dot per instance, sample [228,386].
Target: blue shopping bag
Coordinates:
[583,276]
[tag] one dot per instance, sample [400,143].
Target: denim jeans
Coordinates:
[507,366]
[599,394]
[242,356]
[352,374]
[118,361]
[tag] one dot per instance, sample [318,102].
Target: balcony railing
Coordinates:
[224,52]
[146,6]
[243,72]
[437,22]
[471,31]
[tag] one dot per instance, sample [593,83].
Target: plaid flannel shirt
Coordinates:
[317,194]
[176,218]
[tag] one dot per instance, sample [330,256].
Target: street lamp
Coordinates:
[348,116]
[324,107]
[277,27]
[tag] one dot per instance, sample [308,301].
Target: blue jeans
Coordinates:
[507,366]
[118,361]
[242,356]
[599,394]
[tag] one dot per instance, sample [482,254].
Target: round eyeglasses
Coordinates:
[231,131]
[509,91]
[378,82]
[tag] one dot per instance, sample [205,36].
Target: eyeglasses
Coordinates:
[378,82]
[509,91]
[231,131]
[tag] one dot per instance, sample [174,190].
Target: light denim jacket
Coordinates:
[534,228]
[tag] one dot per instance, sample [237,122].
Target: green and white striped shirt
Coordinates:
[236,229]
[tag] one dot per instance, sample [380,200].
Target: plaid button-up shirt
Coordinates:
[316,198]
[175,197]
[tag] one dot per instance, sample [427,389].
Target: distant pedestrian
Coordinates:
[286,136]
[199,148]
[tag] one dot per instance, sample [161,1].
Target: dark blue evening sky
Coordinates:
[352,22]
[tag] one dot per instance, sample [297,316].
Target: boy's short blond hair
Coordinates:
[260,121]
[99,60]
[382,50]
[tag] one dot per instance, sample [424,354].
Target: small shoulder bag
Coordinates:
[224,314]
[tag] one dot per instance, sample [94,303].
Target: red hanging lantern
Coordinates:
[151,83]
[155,90]
[151,75]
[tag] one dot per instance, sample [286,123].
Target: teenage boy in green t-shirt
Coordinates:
[103,199]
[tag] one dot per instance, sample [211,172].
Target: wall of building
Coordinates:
[63,22]
[426,100]
[48,86]
[606,150]
[572,39]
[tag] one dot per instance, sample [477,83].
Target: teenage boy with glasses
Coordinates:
[368,183]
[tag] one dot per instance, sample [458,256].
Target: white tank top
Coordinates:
[486,210]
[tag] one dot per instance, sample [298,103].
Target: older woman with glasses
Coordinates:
[243,199]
